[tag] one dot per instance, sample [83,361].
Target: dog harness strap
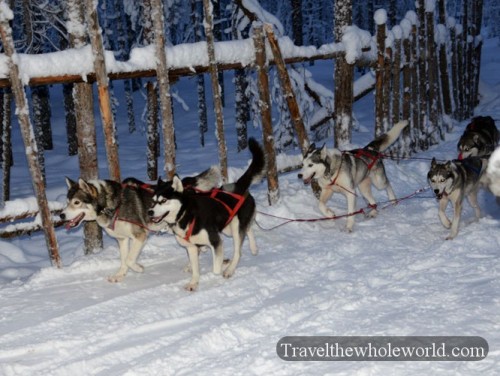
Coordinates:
[190,230]
[232,211]
[115,218]
[374,158]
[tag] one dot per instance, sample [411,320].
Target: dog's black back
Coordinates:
[480,133]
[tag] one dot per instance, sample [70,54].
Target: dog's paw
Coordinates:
[116,278]
[191,286]
[228,273]
[329,213]
[138,268]
[373,213]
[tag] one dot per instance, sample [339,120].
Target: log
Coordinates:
[28,136]
[273,192]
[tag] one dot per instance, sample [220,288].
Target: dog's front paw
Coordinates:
[228,273]
[191,286]
[116,278]
[373,213]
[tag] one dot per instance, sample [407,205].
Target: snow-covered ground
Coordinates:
[394,275]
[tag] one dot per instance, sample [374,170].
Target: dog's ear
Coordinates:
[70,183]
[177,184]
[312,147]
[84,185]
[433,163]
[159,182]
[323,152]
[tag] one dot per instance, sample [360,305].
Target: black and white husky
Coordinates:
[344,171]
[198,218]
[480,138]
[453,181]
[121,209]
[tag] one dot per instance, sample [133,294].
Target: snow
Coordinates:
[394,275]
[380,16]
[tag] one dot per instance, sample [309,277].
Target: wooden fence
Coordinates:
[419,76]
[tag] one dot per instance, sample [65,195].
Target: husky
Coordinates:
[121,209]
[344,171]
[453,181]
[199,218]
[480,138]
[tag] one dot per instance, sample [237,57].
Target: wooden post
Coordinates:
[344,78]
[83,99]
[7,142]
[108,124]
[406,105]
[478,19]
[443,62]
[396,75]
[422,76]
[273,192]
[432,74]
[286,86]
[164,88]
[28,135]
[379,78]
[454,68]
[387,90]
[152,131]
[214,72]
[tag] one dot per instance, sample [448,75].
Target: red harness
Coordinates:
[368,154]
[240,199]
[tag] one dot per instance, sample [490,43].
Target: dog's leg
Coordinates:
[472,198]
[443,202]
[120,274]
[366,190]
[326,193]
[192,251]
[251,241]
[237,241]
[457,213]
[218,257]
[351,207]
[135,248]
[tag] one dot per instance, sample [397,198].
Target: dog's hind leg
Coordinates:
[251,241]
[135,248]
[351,207]
[366,190]
[472,198]
[120,274]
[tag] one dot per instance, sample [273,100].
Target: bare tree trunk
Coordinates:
[108,124]
[41,115]
[422,76]
[217,33]
[152,131]
[85,126]
[436,123]
[28,137]
[297,22]
[69,110]
[344,78]
[219,116]
[406,105]
[273,192]
[476,62]
[454,72]
[415,93]
[379,81]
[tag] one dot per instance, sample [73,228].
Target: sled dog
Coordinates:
[198,218]
[121,209]
[480,138]
[453,181]
[344,171]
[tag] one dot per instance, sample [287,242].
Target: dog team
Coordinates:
[197,211]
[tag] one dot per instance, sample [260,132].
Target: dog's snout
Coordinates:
[151,212]
[62,216]
[299,176]
[436,191]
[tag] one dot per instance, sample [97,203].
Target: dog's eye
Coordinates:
[76,202]
[310,165]
[442,180]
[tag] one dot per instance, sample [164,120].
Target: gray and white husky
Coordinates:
[453,181]
[344,171]
[480,138]
[199,218]
[121,209]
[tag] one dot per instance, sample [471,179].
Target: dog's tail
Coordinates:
[382,142]
[254,171]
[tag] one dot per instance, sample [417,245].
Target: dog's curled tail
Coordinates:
[255,170]
[387,139]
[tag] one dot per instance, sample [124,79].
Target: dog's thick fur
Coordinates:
[453,181]
[198,219]
[121,209]
[480,138]
[343,172]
